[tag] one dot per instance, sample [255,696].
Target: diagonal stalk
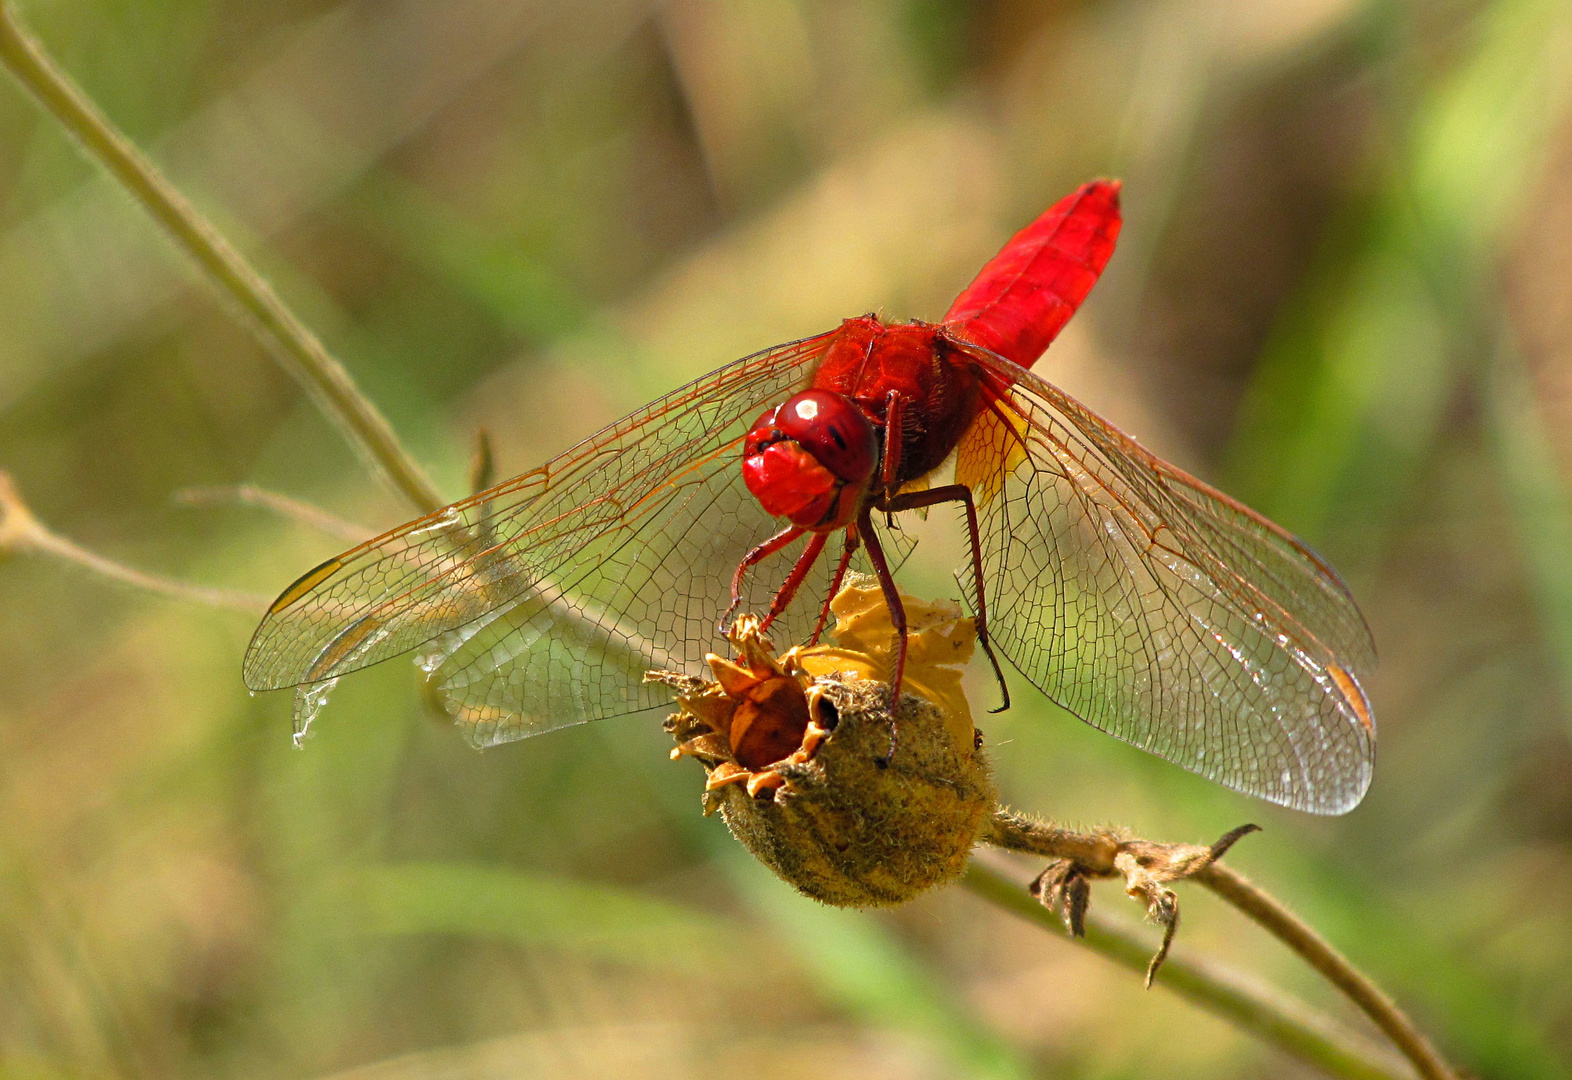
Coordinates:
[1097,854]
[1270,1015]
[300,352]
[1316,951]
[21,533]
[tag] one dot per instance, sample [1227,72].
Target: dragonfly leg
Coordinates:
[758,554]
[793,582]
[892,598]
[890,468]
[962,494]
[835,584]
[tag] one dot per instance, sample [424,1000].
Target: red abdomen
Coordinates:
[1024,296]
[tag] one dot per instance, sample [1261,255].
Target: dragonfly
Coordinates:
[1137,597]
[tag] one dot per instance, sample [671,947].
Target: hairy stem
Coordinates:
[1286,1023]
[296,347]
[1288,928]
[1106,854]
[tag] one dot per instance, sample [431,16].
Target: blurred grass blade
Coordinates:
[859,965]
[1484,134]
[1349,396]
[1283,1022]
[296,348]
[500,904]
[1536,494]
[316,112]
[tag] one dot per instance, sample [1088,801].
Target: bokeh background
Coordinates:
[1344,293]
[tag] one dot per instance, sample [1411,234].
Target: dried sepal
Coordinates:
[1147,868]
[752,718]
[1063,886]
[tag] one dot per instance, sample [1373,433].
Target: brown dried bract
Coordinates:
[755,718]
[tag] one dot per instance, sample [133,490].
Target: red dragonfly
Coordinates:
[1149,604]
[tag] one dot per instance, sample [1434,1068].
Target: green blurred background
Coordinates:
[1344,293]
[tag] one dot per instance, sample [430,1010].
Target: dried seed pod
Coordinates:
[849,832]
[836,814]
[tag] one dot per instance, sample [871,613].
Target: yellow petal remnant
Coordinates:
[939,643]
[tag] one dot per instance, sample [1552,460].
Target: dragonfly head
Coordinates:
[811,459]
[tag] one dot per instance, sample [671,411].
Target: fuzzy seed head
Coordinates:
[836,814]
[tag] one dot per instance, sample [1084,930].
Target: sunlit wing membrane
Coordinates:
[1163,612]
[540,602]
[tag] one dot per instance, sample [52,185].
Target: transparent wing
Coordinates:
[540,602]
[1160,610]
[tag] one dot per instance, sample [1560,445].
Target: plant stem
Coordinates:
[1148,868]
[1288,928]
[1286,1023]
[293,509]
[22,533]
[296,347]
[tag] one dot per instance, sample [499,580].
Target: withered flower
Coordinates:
[797,752]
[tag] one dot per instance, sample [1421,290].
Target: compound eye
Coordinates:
[834,430]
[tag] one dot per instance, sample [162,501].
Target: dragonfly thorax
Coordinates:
[811,459]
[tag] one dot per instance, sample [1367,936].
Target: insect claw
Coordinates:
[998,673]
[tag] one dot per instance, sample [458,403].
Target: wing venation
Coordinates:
[539,602]
[1162,611]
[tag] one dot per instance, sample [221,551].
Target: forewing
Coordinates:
[1160,610]
[542,600]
